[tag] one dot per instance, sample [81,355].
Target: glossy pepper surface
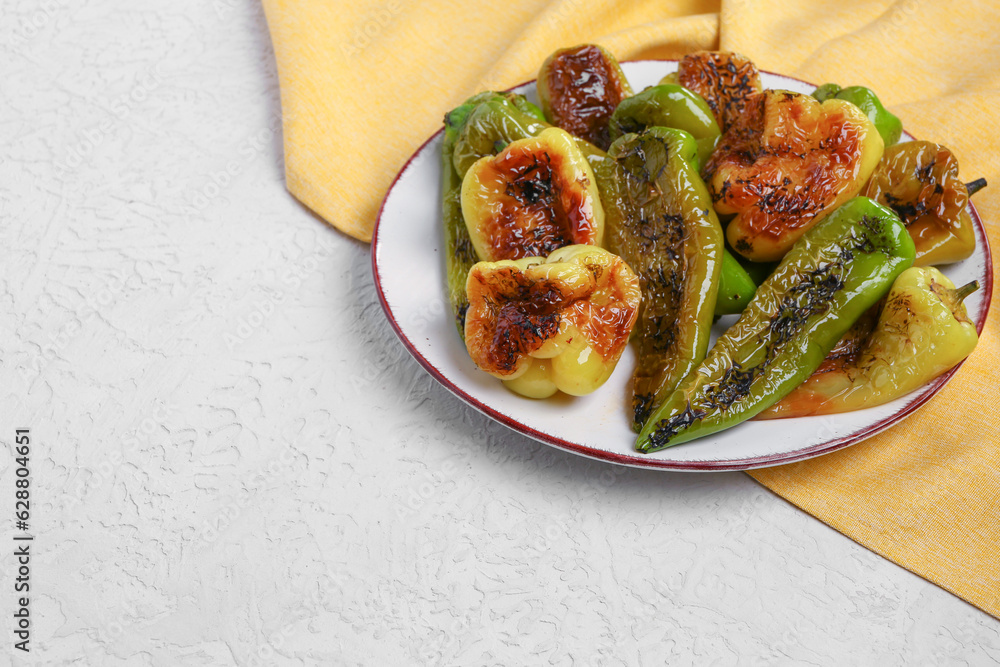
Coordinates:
[784,165]
[660,220]
[887,124]
[537,195]
[483,125]
[725,80]
[667,105]
[579,88]
[919,181]
[551,324]
[836,272]
[736,286]
[922,332]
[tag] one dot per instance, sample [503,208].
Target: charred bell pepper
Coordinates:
[832,275]
[579,87]
[660,220]
[667,105]
[887,124]
[483,125]
[724,79]
[736,287]
[537,195]
[919,180]
[551,324]
[786,163]
[922,332]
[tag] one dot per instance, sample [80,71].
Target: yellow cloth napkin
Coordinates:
[364,83]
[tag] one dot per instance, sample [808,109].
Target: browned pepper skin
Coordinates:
[919,181]
[724,79]
[579,88]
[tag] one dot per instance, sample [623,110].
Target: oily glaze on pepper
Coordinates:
[923,331]
[551,324]
[579,88]
[724,79]
[786,163]
[919,181]
[668,105]
[836,271]
[483,125]
[537,195]
[660,220]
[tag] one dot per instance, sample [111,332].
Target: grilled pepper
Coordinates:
[668,105]
[535,196]
[786,163]
[579,87]
[483,125]
[922,332]
[887,124]
[832,275]
[736,287]
[724,79]
[551,324]
[919,180]
[660,220]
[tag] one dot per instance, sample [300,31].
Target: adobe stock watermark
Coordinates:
[59,340]
[371,27]
[30,26]
[82,147]
[219,180]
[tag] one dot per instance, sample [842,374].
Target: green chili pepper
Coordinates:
[736,286]
[668,105]
[659,219]
[887,124]
[832,275]
[483,125]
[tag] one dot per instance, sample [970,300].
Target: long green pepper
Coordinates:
[832,275]
[659,219]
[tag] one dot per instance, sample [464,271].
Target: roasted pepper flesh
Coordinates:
[919,181]
[922,332]
[579,88]
[535,196]
[725,80]
[786,163]
[838,270]
[660,220]
[551,324]
[887,124]
[481,126]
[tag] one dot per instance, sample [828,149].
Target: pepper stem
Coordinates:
[975,186]
[966,290]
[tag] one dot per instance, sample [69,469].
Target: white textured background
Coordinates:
[235,462]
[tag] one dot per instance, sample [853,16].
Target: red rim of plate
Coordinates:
[926,393]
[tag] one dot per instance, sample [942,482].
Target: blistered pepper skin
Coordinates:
[784,165]
[660,220]
[838,270]
[537,195]
[551,324]
[579,87]
[668,105]
[919,180]
[725,80]
[483,125]
[887,123]
[922,332]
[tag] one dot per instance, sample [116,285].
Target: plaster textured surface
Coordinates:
[235,461]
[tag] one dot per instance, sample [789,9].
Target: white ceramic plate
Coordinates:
[409,273]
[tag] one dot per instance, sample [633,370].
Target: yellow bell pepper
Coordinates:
[923,331]
[536,195]
[551,324]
